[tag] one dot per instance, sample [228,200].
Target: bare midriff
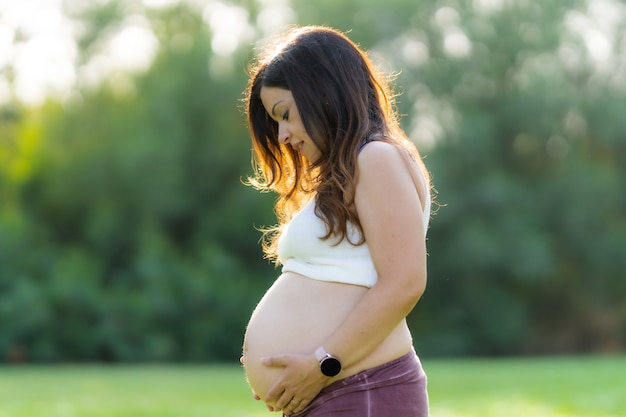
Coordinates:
[296,315]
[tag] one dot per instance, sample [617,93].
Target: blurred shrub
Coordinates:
[132,237]
[126,234]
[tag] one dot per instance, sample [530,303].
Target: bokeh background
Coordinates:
[126,233]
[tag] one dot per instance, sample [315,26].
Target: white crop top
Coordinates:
[301,250]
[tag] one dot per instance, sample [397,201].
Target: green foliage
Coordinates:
[134,238]
[127,235]
[527,251]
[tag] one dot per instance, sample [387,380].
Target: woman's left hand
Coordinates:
[298,384]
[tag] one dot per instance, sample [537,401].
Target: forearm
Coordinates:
[373,319]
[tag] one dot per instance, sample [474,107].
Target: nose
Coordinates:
[283,134]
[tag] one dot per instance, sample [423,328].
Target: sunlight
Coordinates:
[44,66]
[44,59]
[160,4]
[415,52]
[598,45]
[599,29]
[447,17]
[274,15]
[131,49]
[427,127]
[44,56]
[6,51]
[229,26]
[44,63]
[455,42]
[134,47]
[6,44]
[487,6]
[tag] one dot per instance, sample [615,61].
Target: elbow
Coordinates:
[416,288]
[405,286]
[412,288]
[415,282]
[420,289]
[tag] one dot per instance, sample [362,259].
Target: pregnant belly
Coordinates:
[295,315]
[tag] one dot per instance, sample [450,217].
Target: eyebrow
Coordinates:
[274,106]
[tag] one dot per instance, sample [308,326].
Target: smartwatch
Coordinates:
[329,365]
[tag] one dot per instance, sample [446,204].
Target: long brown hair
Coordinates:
[342,100]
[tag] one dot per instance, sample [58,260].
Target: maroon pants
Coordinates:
[393,389]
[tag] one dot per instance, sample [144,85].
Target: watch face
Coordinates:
[330,366]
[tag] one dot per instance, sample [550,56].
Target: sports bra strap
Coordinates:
[369,138]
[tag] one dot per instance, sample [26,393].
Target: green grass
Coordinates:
[549,387]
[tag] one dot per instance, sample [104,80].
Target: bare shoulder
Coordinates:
[380,159]
[388,169]
[378,154]
[383,177]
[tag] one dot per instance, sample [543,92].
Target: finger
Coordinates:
[275,361]
[289,407]
[295,406]
[242,360]
[273,395]
[283,402]
[300,407]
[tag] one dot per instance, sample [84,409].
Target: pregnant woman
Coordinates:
[329,337]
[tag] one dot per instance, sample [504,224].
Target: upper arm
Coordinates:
[390,212]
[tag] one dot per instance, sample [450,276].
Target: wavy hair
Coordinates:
[342,100]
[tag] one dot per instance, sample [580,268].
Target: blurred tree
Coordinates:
[520,252]
[138,221]
[126,234]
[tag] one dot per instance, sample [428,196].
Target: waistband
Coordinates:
[406,369]
[383,374]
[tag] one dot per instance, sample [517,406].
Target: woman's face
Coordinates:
[281,107]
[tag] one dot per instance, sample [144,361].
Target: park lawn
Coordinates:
[544,387]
